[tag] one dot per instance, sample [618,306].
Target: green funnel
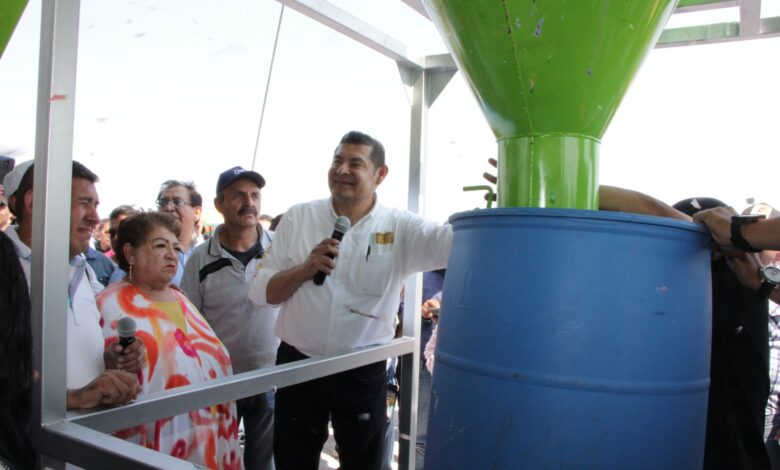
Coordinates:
[549,75]
[10,12]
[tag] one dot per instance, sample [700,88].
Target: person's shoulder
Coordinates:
[182,296]
[99,258]
[112,290]
[22,250]
[307,206]
[306,212]
[398,215]
[201,251]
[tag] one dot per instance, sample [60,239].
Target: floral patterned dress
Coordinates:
[181,349]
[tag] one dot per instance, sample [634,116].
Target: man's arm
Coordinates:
[764,235]
[746,268]
[283,284]
[616,199]
[276,280]
[112,387]
[612,198]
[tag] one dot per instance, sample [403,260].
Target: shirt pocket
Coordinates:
[373,273]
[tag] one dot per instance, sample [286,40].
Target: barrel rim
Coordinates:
[580,214]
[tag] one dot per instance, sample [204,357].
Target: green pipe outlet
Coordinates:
[548,171]
[549,75]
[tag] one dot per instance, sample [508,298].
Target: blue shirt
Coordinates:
[104,268]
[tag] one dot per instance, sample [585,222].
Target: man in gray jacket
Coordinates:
[216,279]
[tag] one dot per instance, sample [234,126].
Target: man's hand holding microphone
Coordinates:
[322,257]
[317,266]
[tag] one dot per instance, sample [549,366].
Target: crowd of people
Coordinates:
[243,298]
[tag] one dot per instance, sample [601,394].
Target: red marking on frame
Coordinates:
[57,98]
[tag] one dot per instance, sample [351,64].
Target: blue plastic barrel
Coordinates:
[572,339]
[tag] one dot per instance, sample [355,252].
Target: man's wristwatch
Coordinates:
[770,276]
[737,239]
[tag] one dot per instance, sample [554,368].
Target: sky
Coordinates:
[174,89]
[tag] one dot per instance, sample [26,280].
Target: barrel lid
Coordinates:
[578,214]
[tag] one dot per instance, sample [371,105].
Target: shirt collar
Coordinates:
[334,215]
[215,247]
[22,251]
[91,253]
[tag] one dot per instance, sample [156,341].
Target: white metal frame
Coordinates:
[80,437]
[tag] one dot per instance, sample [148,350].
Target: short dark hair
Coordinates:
[693,205]
[26,184]
[275,222]
[359,138]
[81,171]
[122,210]
[135,230]
[196,200]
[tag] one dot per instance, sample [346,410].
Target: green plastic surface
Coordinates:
[10,12]
[537,171]
[549,75]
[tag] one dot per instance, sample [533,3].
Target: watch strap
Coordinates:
[737,239]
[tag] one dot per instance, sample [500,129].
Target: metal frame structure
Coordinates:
[80,437]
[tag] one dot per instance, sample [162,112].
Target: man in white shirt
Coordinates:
[355,307]
[89,384]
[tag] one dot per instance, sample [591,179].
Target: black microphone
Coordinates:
[126,330]
[342,225]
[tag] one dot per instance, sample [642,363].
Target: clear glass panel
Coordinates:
[174,89]
[770,8]
[399,21]
[698,18]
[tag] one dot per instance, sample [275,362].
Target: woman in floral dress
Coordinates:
[181,347]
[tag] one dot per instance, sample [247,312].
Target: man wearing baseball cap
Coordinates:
[216,279]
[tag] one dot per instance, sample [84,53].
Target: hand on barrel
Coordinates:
[745,266]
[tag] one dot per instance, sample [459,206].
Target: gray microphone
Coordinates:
[126,330]
[339,229]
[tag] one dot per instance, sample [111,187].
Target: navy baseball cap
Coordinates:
[236,173]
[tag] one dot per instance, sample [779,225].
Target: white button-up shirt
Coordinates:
[357,304]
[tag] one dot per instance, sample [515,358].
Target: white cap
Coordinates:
[14,178]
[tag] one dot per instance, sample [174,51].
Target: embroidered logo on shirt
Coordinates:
[384,238]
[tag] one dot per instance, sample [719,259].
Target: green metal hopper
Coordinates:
[549,76]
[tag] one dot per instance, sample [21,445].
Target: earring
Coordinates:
[130,274]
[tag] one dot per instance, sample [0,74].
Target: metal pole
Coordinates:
[51,201]
[409,364]
[51,205]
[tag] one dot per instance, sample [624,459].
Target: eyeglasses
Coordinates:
[177,202]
